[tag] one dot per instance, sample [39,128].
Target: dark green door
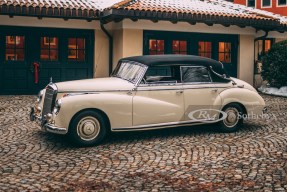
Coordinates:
[32,57]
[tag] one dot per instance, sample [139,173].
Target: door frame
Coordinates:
[30,56]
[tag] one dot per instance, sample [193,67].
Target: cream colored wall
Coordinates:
[246,58]
[101,58]
[117,46]
[133,42]
[127,42]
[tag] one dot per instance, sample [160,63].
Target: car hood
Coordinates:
[97,84]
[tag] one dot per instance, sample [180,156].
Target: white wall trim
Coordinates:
[272,34]
[186,27]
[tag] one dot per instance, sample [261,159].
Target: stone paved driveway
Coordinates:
[180,159]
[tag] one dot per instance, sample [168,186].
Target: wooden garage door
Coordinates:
[30,57]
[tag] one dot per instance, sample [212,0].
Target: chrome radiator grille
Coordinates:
[49,101]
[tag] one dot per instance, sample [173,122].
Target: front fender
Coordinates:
[118,108]
[251,100]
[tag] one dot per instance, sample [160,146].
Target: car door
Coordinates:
[159,98]
[200,95]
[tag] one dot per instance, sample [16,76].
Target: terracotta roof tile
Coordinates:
[71,4]
[203,7]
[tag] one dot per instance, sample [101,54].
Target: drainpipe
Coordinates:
[110,37]
[255,40]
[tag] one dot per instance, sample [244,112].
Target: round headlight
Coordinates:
[57,106]
[58,103]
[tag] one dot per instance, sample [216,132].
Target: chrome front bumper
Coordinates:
[46,126]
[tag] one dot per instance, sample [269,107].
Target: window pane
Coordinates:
[10,55]
[221,46]
[179,47]
[72,41]
[208,55]
[183,46]
[266,3]
[72,53]
[81,43]
[152,45]
[227,47]
[224,52]
[175,46]
[267,45]
[227,58]
[20,54]
[49,48]
[15,41]
[221,57]
[81,55]
[76,49]
[200,46]
[162,74]
[204,49]
[15,48]
[156,47]
[282,2]
[160,45]
[251,3]
[54,55]
[44,54]
[195,74]
[208,46]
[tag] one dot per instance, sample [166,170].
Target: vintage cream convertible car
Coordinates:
[143,93]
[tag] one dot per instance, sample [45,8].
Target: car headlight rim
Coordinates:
[57,107]
[40,96]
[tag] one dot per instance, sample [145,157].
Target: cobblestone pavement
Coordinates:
[179,159]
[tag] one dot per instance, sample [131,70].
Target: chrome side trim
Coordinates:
[93,92]
[183,88]
[161,125]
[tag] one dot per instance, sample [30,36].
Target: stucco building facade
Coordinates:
[88,43]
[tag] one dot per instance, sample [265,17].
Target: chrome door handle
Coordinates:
[179,92]
[214,90]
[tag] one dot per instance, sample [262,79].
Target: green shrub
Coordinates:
[274,65]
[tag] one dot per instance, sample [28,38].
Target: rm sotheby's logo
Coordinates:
[207,115]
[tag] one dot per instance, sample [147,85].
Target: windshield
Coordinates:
[130,71]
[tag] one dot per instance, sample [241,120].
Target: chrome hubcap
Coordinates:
[88,128]
[232,117]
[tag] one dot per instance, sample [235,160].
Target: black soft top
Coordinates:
[188,60]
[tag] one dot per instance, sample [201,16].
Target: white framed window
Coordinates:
[266,3]
[251,3]
[281,3]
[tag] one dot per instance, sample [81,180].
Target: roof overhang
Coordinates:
[117,15]
[55,12]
